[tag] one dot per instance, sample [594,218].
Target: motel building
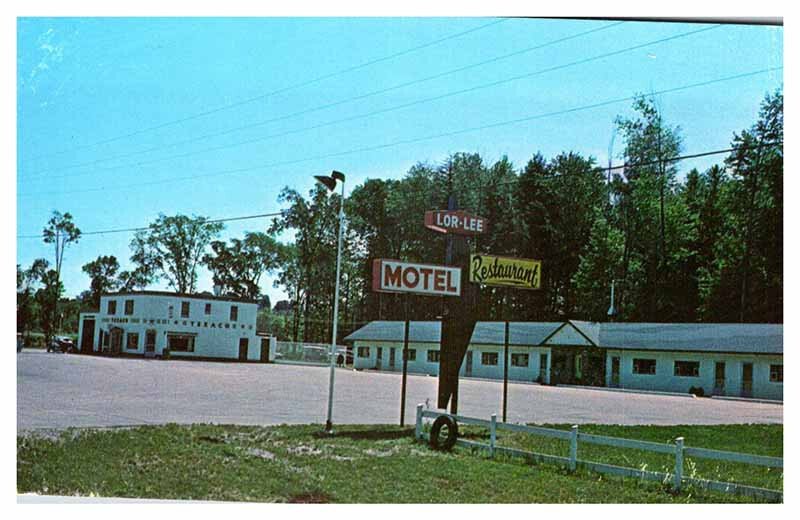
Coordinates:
[191,326]
[737,360]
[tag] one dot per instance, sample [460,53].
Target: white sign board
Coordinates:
[433,280]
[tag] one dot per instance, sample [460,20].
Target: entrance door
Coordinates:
[378,356]
[265,350]
[542,368]
[150,343]
[469,363]
[242,349]
[391,358]
[116,340]
[719,378]
[87,337]
[615,372]
[747,380]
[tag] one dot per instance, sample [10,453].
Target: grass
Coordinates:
[358,464]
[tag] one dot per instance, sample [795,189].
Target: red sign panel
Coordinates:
[454,221]
[405,277]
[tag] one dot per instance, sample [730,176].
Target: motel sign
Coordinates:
[405,277]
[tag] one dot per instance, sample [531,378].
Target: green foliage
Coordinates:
[103,272]
[238,267]
[172,248]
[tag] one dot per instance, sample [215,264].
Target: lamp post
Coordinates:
[330,183]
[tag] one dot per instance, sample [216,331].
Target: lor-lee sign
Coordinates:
[433,280]
[521,273]
[454,221]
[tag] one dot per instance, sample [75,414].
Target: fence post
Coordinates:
[676,485]
[418,428]
[573,448]
[492,434]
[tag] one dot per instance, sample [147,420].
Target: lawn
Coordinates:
[363,464]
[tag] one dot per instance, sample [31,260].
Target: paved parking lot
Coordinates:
[58,391]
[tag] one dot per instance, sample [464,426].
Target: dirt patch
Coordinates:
[315,497]
[304,450]
[379,453]
[262,454]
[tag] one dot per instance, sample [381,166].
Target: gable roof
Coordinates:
[744,338]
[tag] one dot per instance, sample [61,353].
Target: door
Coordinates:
[542,368]
[87,337]
[615,371]
[116,340]
[243,349]
[150,343]
[265,350]
[719,378]
[391,358]
[469,363]
[747,380]
[378,358]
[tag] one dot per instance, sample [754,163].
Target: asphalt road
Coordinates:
[62,390]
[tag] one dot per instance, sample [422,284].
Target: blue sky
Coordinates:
[83,83]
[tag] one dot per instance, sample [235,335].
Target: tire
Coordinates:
[452,433]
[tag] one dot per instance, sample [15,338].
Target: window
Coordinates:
[433,356]
[128,307]
[644,366]
[234,313]
[133,341]
[171,312]
[776,373]
[180,342]
[519,360]
[208,309]
[412,354]
[112,307]
[489,358]
[687,368]
[363,351]
[184,309]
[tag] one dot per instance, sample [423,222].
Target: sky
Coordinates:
[120,119]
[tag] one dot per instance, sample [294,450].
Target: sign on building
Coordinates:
[454,221]
[521,273]
[405,277]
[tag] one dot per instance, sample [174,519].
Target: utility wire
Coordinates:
[404,141]
[133,230]
[274,92]
[306,111]
[509,181]
[412,103]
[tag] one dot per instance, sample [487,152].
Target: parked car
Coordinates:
[61,344]
[20,342]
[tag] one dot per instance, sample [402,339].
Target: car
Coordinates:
[61,344]
[20,342]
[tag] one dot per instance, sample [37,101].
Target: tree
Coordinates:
[238,267]
[28,280]
[47,297]
[103,274]
[172,248]
[61,231]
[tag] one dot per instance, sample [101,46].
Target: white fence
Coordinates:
[307,353]
[678,450]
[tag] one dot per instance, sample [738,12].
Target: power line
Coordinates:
[404,105]
[306,111]
[406,141]
[133,230]
[510,181]
[274,92]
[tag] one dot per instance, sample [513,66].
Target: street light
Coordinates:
[330,183]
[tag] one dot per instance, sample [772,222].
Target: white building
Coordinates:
[721,359]
[154,324]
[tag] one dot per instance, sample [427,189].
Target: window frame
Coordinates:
[131,303]
[187,307]
[634,367]
[695,372]
[207,310]
[363,352]
[111,307]
[433,355]
[516,355]
[411,354]
[191,342]
[128,336]
[234,315]
[774,368]
[486,358]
